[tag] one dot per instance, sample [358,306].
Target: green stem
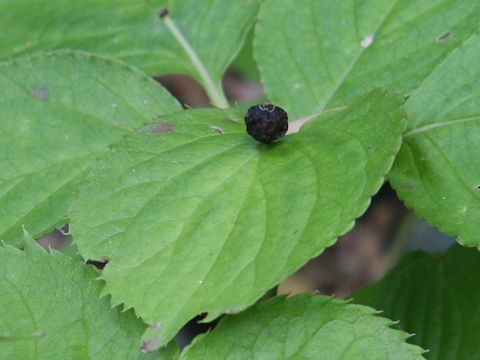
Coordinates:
[216,96]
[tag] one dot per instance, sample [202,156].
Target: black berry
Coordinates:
[266,123]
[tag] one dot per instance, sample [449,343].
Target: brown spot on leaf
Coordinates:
[408,187]
[149,345]
[163,127]
[41,94]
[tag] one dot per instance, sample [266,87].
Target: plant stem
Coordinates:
[216,96]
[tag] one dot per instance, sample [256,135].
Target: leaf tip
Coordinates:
[28,242]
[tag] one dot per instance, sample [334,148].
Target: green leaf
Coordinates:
[195,216]
[132,31]
[436,297]
[60,111]
[245,63]
[51,310]
[304,327]
[331,51]
[436,172]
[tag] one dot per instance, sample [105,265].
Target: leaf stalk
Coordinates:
[216,95]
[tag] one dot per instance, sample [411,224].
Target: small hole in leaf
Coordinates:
[444,37]
[98,264]
[477,187]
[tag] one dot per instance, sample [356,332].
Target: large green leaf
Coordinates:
[436,171]
[58,112]
[131,31]
[51,310]
[330,51]
[304,327]
[436,297]
[195,216]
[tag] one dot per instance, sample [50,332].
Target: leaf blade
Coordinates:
[303,327]
[408,47]
[55,123]
[132,32]
[48,318]
[437,162]
[190,215]
[443,314]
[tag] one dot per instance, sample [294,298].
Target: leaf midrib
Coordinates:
[435,125]
[349,69]
[39,202]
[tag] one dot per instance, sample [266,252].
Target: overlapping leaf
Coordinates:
[315,55]
[436,171]
[245,63]
[304,327]
[51,310]
[131,31]
[437,298]
[195,216]
[58,112]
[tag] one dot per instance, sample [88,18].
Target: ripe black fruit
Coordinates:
[266,123]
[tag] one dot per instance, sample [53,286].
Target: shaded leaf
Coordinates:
[60,111]
[304,327]
[437,298]
[436,172]
[331,51]
[51,310]
[194,219]
[131,31]
[244,63]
